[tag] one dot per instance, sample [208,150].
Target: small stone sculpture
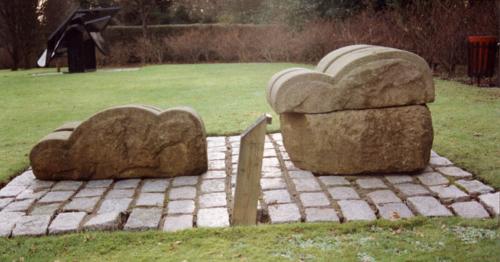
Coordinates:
[362,110]
[124,142]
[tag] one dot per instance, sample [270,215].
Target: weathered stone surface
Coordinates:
[176,223]
[125,142]
[49,209]
[334,180]
[290,166]
[86,204]
[301,174]
[474,187]
[212,217]
[315,199]
[7,222]
[115,205]
[213,185]
[120,193]
[216,165]
[399,179]
[394,211]
[150,199]
[428,206]
[356,210]
[214,174]
[343,193]
[31,226]
[432,179]
[180,207]
[370,183]
[104,221]
[284,213]
[280,196]
[409,189]
[448,194]
[105,183]
[66,222]
[143,219]
[19,206]
[127,184]
[491,202]
[471,209]
[272,174]
[440,161]
[57,196]
[383,197]
[375,139]
[272,183]
[268,162]
[38,185]
[155,185]
[30,194]
[187,192]
[213,200]
[5,201]
[397,78]
[185,181]
[271,152]
[67,186]
[454,171]
[11,191]
[306,184]
[321,214]
[91,192]
[214,155]
[25,179]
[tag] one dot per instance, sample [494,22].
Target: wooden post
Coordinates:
[249,171]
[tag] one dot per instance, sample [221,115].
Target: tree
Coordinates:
[143,8]
[19,30]
[54,12]
[498,21]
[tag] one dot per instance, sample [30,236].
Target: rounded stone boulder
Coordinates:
[353,77]
[388,140]
[124,142]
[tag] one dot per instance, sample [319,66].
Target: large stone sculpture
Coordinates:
[124,142]
[362,110]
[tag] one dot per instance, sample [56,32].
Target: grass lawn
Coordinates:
[418,239]
[228,97]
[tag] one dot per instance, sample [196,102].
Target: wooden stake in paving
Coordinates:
[249,171]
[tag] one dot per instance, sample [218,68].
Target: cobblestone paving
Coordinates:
[32,207]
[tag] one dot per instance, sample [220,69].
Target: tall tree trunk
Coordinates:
[144,20]
[498,25]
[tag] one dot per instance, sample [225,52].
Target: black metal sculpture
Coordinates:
[78,36]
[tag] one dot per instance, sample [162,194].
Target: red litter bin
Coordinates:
[482,56]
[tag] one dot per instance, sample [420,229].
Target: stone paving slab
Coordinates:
[35,225]
[176,223]
[356,210]
[470,209]
[104,221]
[448,194]
[321,215]
[284,213]
[143,219]
[394,211]
[491,202]
[66,222]
[428,206]
[288,195]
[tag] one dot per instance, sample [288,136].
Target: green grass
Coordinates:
[466,123]
[228,97]
[448,239]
